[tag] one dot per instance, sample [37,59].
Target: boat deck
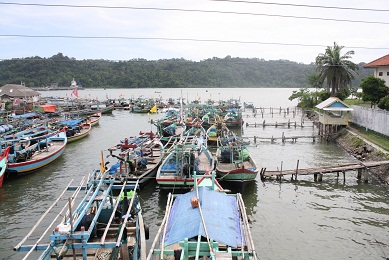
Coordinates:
[232,166]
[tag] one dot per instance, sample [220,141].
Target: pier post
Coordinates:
[344,176]
[359,175]
[315,177]
[366,175]
[320,177]
[297,169]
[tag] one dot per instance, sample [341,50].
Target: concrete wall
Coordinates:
[374,119]
[384,71]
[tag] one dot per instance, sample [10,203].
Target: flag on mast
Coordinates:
[75,92]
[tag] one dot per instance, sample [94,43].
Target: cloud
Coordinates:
[271,34]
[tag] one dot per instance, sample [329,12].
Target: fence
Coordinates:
[373,119]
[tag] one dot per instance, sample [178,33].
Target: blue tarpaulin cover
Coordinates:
[220,213]
[71,123]
[26,115]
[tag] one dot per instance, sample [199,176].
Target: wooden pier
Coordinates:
[284,138]
[361,167]
[272,110]
[280,124]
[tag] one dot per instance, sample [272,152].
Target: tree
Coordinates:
[373,89]
[336,69]
[304,97]
[384,103]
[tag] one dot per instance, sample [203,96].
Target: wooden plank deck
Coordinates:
[325,169]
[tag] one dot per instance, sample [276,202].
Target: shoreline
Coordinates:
[364,151]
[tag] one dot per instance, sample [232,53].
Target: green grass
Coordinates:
[376,138]
[356,101]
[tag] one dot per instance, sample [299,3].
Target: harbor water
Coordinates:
[303,219]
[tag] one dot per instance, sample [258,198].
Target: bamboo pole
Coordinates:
[52,222]
[168,204]
[41,218]
[102,241]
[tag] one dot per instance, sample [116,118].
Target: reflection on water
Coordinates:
[303,219]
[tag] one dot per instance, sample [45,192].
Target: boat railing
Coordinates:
[32,248]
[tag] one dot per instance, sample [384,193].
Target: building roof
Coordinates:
[383,61]
[333,104]
[17,91]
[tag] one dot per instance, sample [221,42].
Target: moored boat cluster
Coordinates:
[194,148]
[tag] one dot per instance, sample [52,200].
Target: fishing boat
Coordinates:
[94,119]
[217,132]
[234,164]
[107,223]
[233,118]
[3,163]
[27,155]
[76,129]
[138,159]
[182,162]
[205,223]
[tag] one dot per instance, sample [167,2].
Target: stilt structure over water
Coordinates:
[333,113]
[361,168]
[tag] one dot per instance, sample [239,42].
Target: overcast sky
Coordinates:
[206,29]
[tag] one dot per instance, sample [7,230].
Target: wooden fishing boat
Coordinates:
[107,109]
[138,159]
[3,163]
[204,223]
[106,224]
[94,119]
[76,129]
[32,154]
[234,164]
[233,118]
[218,131]
[182,161]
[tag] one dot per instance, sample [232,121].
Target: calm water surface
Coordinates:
[334,219]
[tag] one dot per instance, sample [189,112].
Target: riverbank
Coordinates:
[362,149]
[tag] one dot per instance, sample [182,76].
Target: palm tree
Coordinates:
[335,69]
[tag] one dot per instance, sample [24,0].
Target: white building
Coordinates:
[381,68]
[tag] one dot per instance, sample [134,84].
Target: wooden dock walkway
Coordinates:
[361,167]
[288,124]
[284,138]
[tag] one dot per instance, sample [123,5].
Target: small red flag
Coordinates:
[75,92]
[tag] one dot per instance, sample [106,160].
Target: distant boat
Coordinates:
[94,119]
[76,129]
[3,163]
[36,153]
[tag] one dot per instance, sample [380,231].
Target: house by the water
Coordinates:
[381,68]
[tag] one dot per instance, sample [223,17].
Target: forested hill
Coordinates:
[168,73]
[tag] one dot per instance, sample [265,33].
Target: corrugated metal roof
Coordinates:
[220,213]
[383,61]
[17,91]
[334,104]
